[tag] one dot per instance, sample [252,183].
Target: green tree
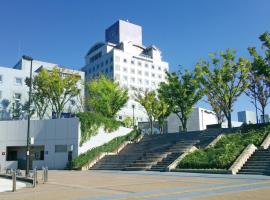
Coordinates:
[56,86]
[128,122]
[40,97]
[148,100]
[226,82]
[181,92]
[105,96]
[161,112]
[259,76]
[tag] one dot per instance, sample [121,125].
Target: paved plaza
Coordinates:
[120,185]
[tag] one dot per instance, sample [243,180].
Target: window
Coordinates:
[132,79]
[132,62]
[120,117]
[117,67]
[125,69]
[124,60]
[111,68]
[140,72]
[18,81]
[153,75]
[159,76]
[117,77]
[125,78]
[97,67]
[0,94]
[146,65]
[132,71]
[153,66]
[159,68]
[146,82]
[111,59]
[17,96]
[94,68]
[1,78]
[139,63]
[89,71]
[106,62]
[117,58]
[101,64]
[60,148]
[146,73]
[140,81]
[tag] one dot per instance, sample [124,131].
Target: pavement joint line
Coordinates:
[169,190]
[189,191]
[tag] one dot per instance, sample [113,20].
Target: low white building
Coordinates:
[247,117]
[197,121]
[55,142]
[14,91]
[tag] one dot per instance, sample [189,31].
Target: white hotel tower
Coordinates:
[124,58]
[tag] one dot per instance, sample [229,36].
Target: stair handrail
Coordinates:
[266,142]
[175,163]
[242,159]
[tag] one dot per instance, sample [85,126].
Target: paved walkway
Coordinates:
[6,185]
[118,185]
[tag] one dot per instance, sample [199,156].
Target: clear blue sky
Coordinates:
[62,31]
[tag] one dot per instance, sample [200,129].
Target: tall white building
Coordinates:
[124,58]
[14,90]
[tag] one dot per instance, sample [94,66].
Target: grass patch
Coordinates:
[225,152]
[108,147]
[91,122]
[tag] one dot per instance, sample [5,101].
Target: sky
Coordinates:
[61,31]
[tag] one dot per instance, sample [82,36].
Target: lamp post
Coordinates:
[133,122]
[29,116]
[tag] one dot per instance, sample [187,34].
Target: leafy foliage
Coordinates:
[128,122]
[55,88]
[226,82]
[108,147]
[105,96]
[181,92]
[91,122]
[225,152]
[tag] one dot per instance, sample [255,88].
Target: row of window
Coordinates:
[139,80]
[106,70]
[139,63]
[17,80]
[17,96]
[139,72]
[103,63]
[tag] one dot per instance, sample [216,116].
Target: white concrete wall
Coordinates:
[45,132]
[103,137]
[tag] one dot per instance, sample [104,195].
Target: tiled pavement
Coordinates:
[103,185]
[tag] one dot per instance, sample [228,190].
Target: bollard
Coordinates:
[13,181]
[35,177]
[46,174]
[43,174]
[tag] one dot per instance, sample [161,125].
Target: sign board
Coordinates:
[32,140]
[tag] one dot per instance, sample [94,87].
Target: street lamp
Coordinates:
[29,115]
[133,106]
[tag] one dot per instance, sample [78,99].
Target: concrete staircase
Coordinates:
[258,163]
[154,152]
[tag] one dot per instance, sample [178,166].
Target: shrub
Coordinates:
[108,147]
[225,152]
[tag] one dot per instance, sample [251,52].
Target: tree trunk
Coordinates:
[184,124]
[263,113]
[256,109]
[151,126]
[229,118]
